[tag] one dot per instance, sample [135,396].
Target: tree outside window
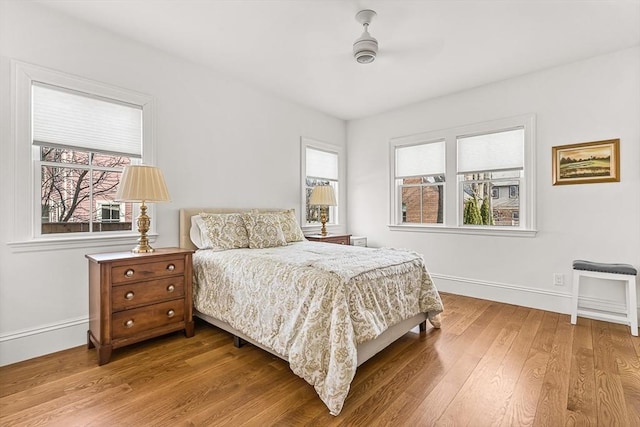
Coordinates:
[78,190]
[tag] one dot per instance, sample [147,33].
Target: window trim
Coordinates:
[452,209]
[340,209]
[24,236]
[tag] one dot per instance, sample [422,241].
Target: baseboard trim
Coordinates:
[602,305]
[43,329]
[542,299]
[44,339]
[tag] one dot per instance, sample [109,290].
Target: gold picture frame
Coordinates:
[587,162]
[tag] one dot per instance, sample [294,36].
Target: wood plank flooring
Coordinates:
[490,364]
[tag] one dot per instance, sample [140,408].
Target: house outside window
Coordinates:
[320,166]
[493,166]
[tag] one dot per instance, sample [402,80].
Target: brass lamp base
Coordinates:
[323,220]
[142,249]
[143,222]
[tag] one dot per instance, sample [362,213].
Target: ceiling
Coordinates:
[301,50]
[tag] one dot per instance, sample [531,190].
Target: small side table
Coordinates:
[341,239]
[359,241]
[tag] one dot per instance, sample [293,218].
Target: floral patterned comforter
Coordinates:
[313,303]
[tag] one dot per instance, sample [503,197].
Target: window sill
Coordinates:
[464,230]
[77,242]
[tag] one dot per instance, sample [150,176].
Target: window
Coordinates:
[514,191]
[486,161]
[78,135]
[82,143]
[320,166]
[471,179]
[419,176]
[110,212]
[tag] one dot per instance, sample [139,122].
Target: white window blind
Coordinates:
[420,160]
[71,119]
[491,152]
[321,164]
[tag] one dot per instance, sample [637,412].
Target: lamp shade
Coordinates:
[142,183]
[323,195]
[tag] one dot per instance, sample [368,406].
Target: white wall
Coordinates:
[219,143]
[591,100]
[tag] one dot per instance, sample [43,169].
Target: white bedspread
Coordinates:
[313,303]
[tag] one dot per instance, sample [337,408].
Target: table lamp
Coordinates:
[142,184]
[323,196]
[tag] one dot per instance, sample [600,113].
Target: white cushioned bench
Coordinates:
[622,272]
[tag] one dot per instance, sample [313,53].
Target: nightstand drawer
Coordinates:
[142,271]
[130,295]
[341,239]
[131,322]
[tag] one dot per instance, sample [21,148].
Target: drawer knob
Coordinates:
[129,295]
[171,267]
[171,288]
[171,313]
[129,273]
[128,323]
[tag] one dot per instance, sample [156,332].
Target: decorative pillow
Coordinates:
[290,226]
[264,230]
[224,231]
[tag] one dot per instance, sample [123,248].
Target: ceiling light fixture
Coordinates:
[365,48]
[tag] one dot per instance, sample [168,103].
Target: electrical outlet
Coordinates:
[558,279]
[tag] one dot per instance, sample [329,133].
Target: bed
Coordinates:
[324,308]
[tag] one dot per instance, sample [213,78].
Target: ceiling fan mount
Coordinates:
[365,48]
[364,17]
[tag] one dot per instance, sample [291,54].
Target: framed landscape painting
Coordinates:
[587,162]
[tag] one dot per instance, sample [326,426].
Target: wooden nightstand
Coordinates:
[341,239]
[133,297]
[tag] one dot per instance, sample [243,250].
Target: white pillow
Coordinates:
[198,238]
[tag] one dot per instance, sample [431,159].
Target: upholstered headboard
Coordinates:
[187,213]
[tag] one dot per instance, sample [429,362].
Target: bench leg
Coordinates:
[574,297]
[632,305]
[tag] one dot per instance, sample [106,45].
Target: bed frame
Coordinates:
[365,350]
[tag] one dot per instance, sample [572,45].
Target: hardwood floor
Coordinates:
[490,364]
